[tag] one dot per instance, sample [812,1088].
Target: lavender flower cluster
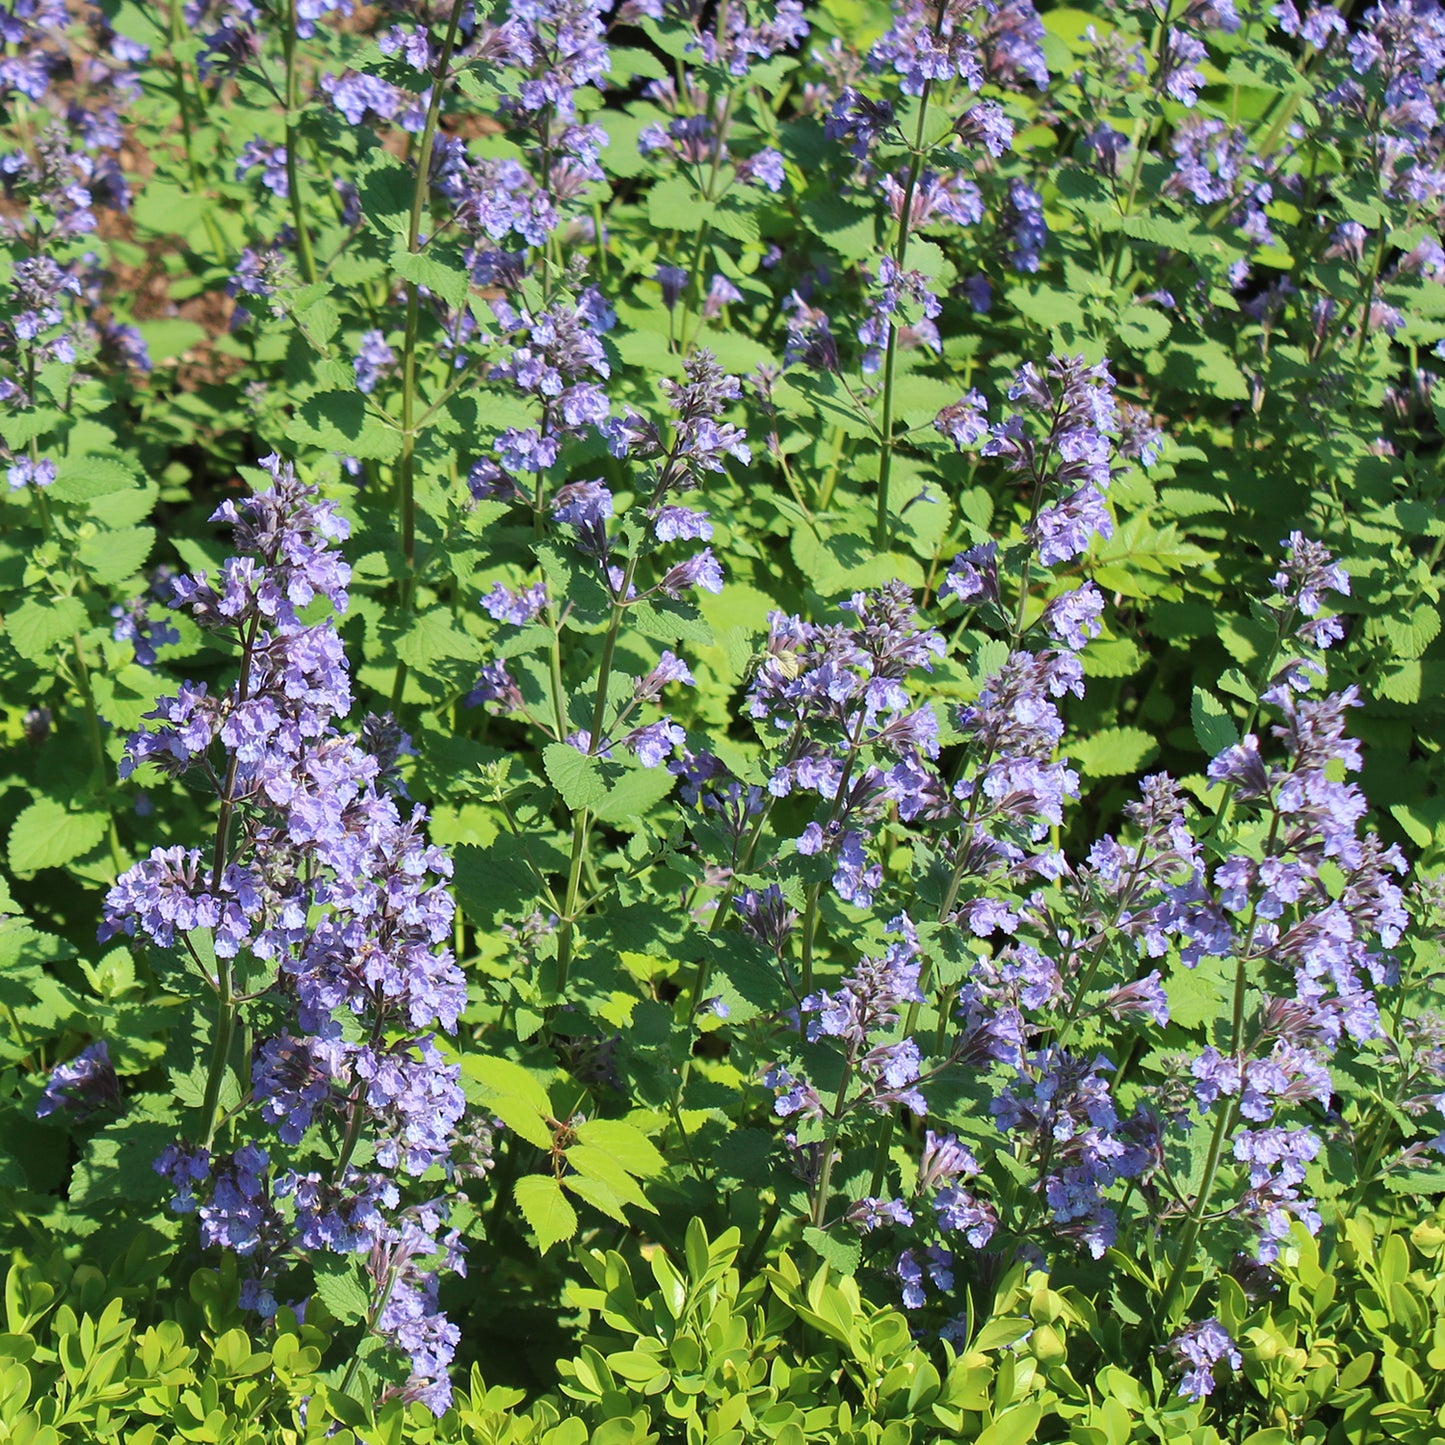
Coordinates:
[1295,895]
[66,170]
[676,462]
[321,875]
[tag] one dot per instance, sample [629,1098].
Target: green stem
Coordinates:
[97,743]
[582,821]
[293,170]
[1141,148]
[810,932]
[225,1029]
[882,526]
[1228,1116]
[221,1041]
[830,1151]
[373,1315]
[406,462]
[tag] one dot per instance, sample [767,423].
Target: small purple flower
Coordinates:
[517,608]
[1203,1346]
[374,359]
[964,422]
[681,524]
[1076,617]
[702,570]
[270,160]
[673,280]
[654,743]
[26,473]
[764,169]
[83,1085]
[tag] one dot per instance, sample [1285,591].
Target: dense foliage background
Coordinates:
[723,721]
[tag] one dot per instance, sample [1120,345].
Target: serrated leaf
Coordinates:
[592,1163]
[634,793]
[1401,683]
[434,638]
[36,627]
[597,1193]
[546,1209]
[493,883]
[20,428]
[1213,726]
[631,61]
[1430,1180]
[668,621]
[78,479]
[339,421]
[675,204]
[521,1119]
[844,1255]
[1411,635]
[1215,371]
[506,1076]
[1114,752]
[577,777]
[386,188]
[625,1143]
[736,216]
[341,1291]
[111,557]
[442,273]
[849,229]
[46,835]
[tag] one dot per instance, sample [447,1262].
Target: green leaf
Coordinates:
[433,638]
[169,339]
[339,421]
[625,1143]
[546,1209]
[517,1099]
[1114,752]
[636,791]
[669,621]
[736,215]
[166,209]
[577,777]
[844,1255]
[597,1193]
[36,627]
[45,835]
[442,272]
[675,204]
[522,1120]
[1013,1427]
[340,1289]
[1417,1182]
[111,557]
[493,883]
[593,1163]
[1213,726]
[1411,635]
[849,229]
[506,1076]
[20,428]
[78,479]
[1214,369]
[386,188]
[629,61]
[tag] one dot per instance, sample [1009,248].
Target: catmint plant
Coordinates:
[874,739]
[320,919]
